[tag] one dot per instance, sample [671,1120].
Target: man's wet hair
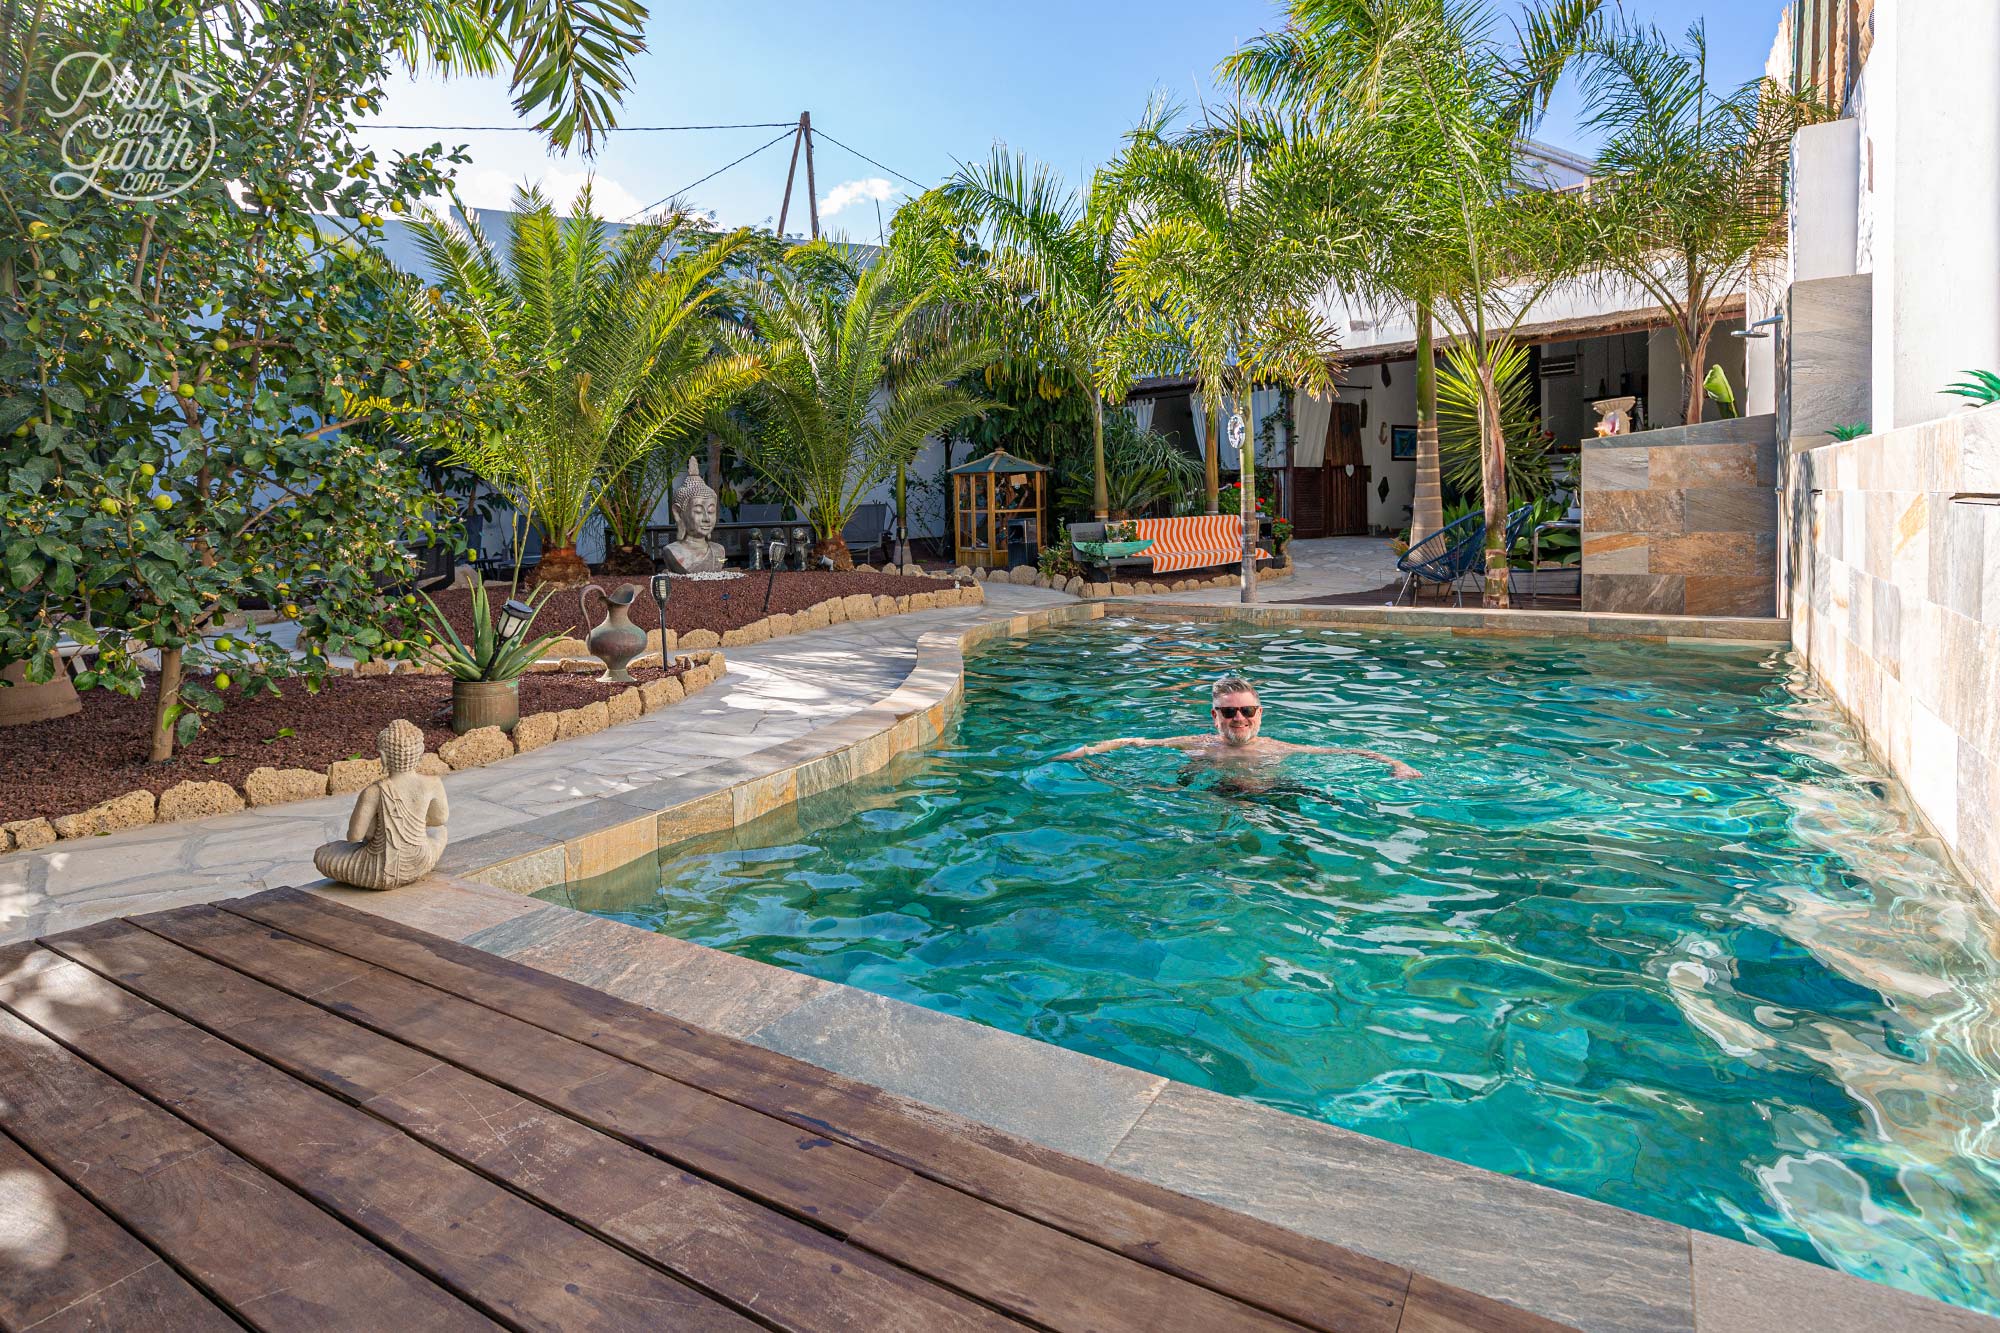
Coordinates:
[1230,685]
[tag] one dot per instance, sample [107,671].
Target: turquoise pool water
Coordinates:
[1651,929]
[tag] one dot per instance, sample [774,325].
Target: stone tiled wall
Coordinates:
[1895,605]
[1682,521]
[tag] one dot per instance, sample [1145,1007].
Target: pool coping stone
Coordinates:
[1556,1254]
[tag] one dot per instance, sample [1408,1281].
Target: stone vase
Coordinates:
[616,640]
[485,703]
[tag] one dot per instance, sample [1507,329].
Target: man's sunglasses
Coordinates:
[1250,711]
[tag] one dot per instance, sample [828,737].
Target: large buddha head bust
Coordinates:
[694,505]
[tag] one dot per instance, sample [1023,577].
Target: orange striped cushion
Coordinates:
[1193,541]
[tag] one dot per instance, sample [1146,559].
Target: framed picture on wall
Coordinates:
[1402,442]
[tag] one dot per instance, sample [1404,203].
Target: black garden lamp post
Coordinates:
[662,587]
[515,616]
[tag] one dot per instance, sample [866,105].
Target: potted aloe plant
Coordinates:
[486,675]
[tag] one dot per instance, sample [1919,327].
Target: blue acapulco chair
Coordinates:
[1453,551]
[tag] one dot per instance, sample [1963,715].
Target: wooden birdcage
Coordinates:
[998,505]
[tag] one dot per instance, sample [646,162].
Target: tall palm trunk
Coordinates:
[1212,456]
[1100,496]
[1246,463]
[1427,505]
[1493,487]
[1694,346]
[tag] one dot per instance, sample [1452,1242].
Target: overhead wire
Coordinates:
[790,129]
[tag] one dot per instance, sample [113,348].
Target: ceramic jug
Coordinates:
[615,641]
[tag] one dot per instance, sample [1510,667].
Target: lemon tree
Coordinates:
[201,396]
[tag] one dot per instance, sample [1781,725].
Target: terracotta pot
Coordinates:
[21,702]
[561,567]
[485,703]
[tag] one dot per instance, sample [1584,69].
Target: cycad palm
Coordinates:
[605,349]
[1231,250]
[849,393]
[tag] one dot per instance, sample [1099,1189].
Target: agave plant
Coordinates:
[1853,430]
[1980,386]
[488,657]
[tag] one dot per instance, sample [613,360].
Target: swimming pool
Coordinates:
[1650,929]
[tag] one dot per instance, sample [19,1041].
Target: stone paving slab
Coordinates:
[774,692]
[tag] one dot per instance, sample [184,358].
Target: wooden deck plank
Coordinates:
[1317,1284]
[66,1265]
[265,1253]
[1000,1257]
[501,1252]
[783,1271]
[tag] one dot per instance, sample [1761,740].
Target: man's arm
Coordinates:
[1130,743]
[1397,768]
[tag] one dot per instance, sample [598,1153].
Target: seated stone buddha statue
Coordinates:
[693,551]
[390,842]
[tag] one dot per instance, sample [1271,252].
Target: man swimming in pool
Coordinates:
[1239,720]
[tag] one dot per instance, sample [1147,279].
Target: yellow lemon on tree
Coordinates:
[221,344]
[163,501]
[147,469]
[108,505]
[222,680]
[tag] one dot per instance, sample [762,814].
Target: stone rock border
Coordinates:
[1075,586]
[276,786]
[574,655]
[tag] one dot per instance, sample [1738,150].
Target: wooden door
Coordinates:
[1344,480]
[1308,491]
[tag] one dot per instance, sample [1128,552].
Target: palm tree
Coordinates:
[1689,196]
[1432,91]
[1308,69]
[1060,249]
[1238,229]
[850,390]
[568,58]
[604,350]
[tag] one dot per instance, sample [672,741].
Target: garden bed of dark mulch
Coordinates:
[71,763]
[714,604]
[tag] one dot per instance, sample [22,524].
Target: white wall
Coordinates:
[1826,200]
[1931,162]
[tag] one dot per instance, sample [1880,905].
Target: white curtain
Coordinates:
[1313,414]
[1142,413]
[1229,460]
[1263,402]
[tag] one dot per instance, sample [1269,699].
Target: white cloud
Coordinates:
[487,188]
[853,192]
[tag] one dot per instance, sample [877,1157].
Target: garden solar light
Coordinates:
[514,618]
[662,585]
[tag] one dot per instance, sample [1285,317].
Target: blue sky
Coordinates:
[917,85]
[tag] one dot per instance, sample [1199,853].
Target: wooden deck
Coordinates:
[286,1114]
